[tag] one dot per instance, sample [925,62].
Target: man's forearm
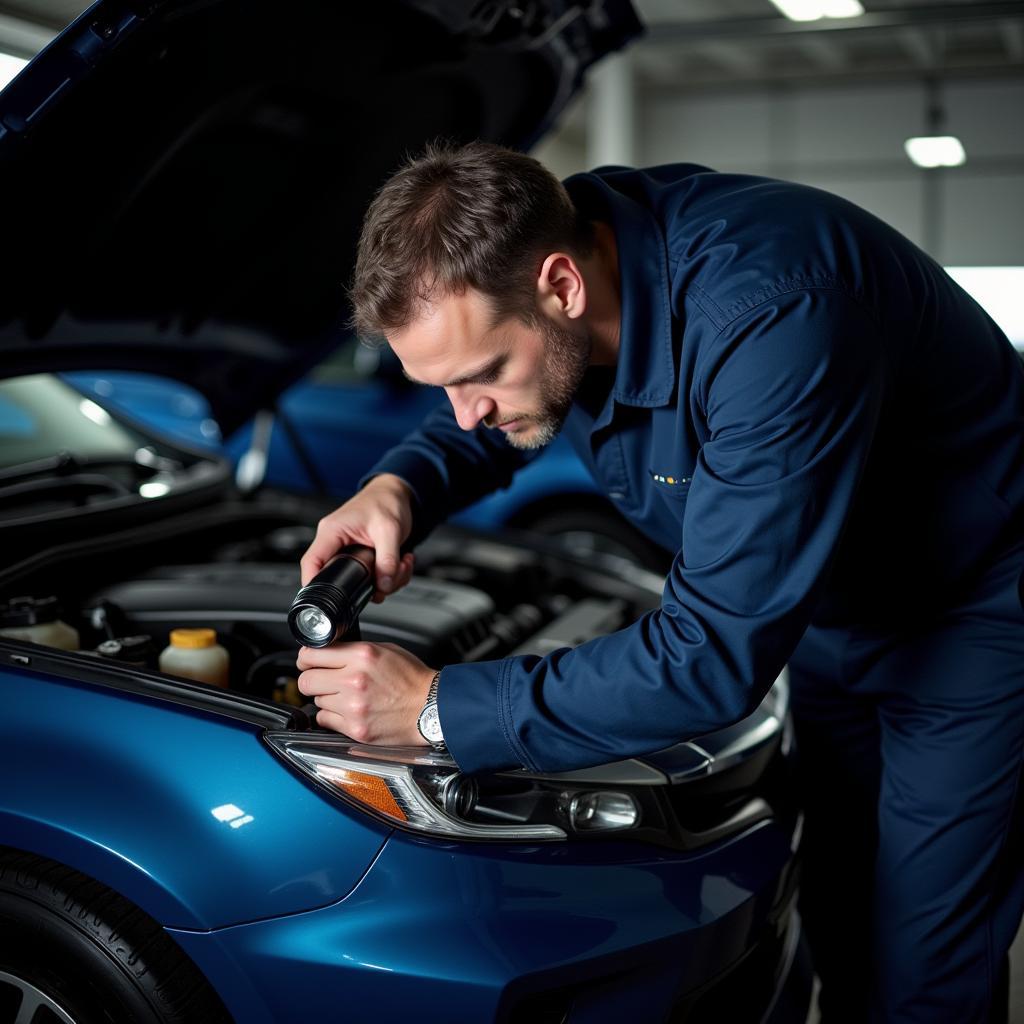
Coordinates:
[447,468]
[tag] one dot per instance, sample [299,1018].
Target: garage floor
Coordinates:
[1016,984]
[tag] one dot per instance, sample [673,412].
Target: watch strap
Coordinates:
[430,705]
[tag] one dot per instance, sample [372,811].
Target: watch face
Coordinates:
[430,725]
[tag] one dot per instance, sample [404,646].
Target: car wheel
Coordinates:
[75,952]
[586,531]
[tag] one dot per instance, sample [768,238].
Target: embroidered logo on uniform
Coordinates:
[672,481]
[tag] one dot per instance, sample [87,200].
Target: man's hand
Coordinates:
[371,692]
[379,516]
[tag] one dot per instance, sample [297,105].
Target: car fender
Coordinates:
[186,813]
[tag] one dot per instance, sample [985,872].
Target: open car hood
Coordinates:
[184,182]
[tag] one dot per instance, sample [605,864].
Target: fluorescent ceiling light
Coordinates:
[997,290]
[812,10]
[9,67]
[935,151]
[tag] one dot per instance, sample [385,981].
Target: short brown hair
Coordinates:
[472,216]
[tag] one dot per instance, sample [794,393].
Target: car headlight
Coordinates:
[422,790]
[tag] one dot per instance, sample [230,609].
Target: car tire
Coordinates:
[85,955]
[588,530]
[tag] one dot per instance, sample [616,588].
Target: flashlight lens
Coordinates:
[314,624]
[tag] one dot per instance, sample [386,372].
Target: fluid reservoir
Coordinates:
[38,620]
[195,654]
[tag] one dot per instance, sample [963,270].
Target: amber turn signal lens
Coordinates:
[367,789]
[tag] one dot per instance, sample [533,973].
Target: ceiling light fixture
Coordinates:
[935,150]
[813,10]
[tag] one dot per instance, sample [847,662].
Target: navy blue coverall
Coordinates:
[830,432]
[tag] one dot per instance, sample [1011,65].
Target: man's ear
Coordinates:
[561,290]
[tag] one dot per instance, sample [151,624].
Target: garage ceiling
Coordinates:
[694,43]
[700,43]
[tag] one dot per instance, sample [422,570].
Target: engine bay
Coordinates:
[472,598]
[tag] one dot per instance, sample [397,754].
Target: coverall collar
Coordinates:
[645,373]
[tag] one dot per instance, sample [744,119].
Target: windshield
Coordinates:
[41,416]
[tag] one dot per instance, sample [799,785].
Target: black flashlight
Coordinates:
[328,607]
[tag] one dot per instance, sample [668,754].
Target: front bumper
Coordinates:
[560,933]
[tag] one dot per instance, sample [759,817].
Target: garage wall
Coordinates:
[849,140]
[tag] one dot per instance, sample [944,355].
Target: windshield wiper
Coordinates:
[67,464]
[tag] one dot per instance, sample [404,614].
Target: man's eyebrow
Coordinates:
[482,373]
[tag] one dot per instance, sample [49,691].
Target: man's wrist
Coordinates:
[391,481]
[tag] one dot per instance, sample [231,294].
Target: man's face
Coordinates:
[515,377]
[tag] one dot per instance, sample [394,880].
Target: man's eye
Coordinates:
[488,378]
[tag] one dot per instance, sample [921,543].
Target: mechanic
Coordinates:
[829,432]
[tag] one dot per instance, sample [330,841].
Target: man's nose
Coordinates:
[470,407]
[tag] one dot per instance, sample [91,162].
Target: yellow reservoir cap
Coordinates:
[193,638]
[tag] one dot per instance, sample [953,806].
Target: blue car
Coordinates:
[330,428]
[179,845]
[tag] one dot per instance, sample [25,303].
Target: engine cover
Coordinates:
[435,619]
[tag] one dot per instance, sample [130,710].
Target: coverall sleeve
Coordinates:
[791,392]
[449,468]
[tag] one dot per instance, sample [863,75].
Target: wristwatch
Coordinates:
[429,724]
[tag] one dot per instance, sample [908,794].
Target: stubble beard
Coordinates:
[566,357]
